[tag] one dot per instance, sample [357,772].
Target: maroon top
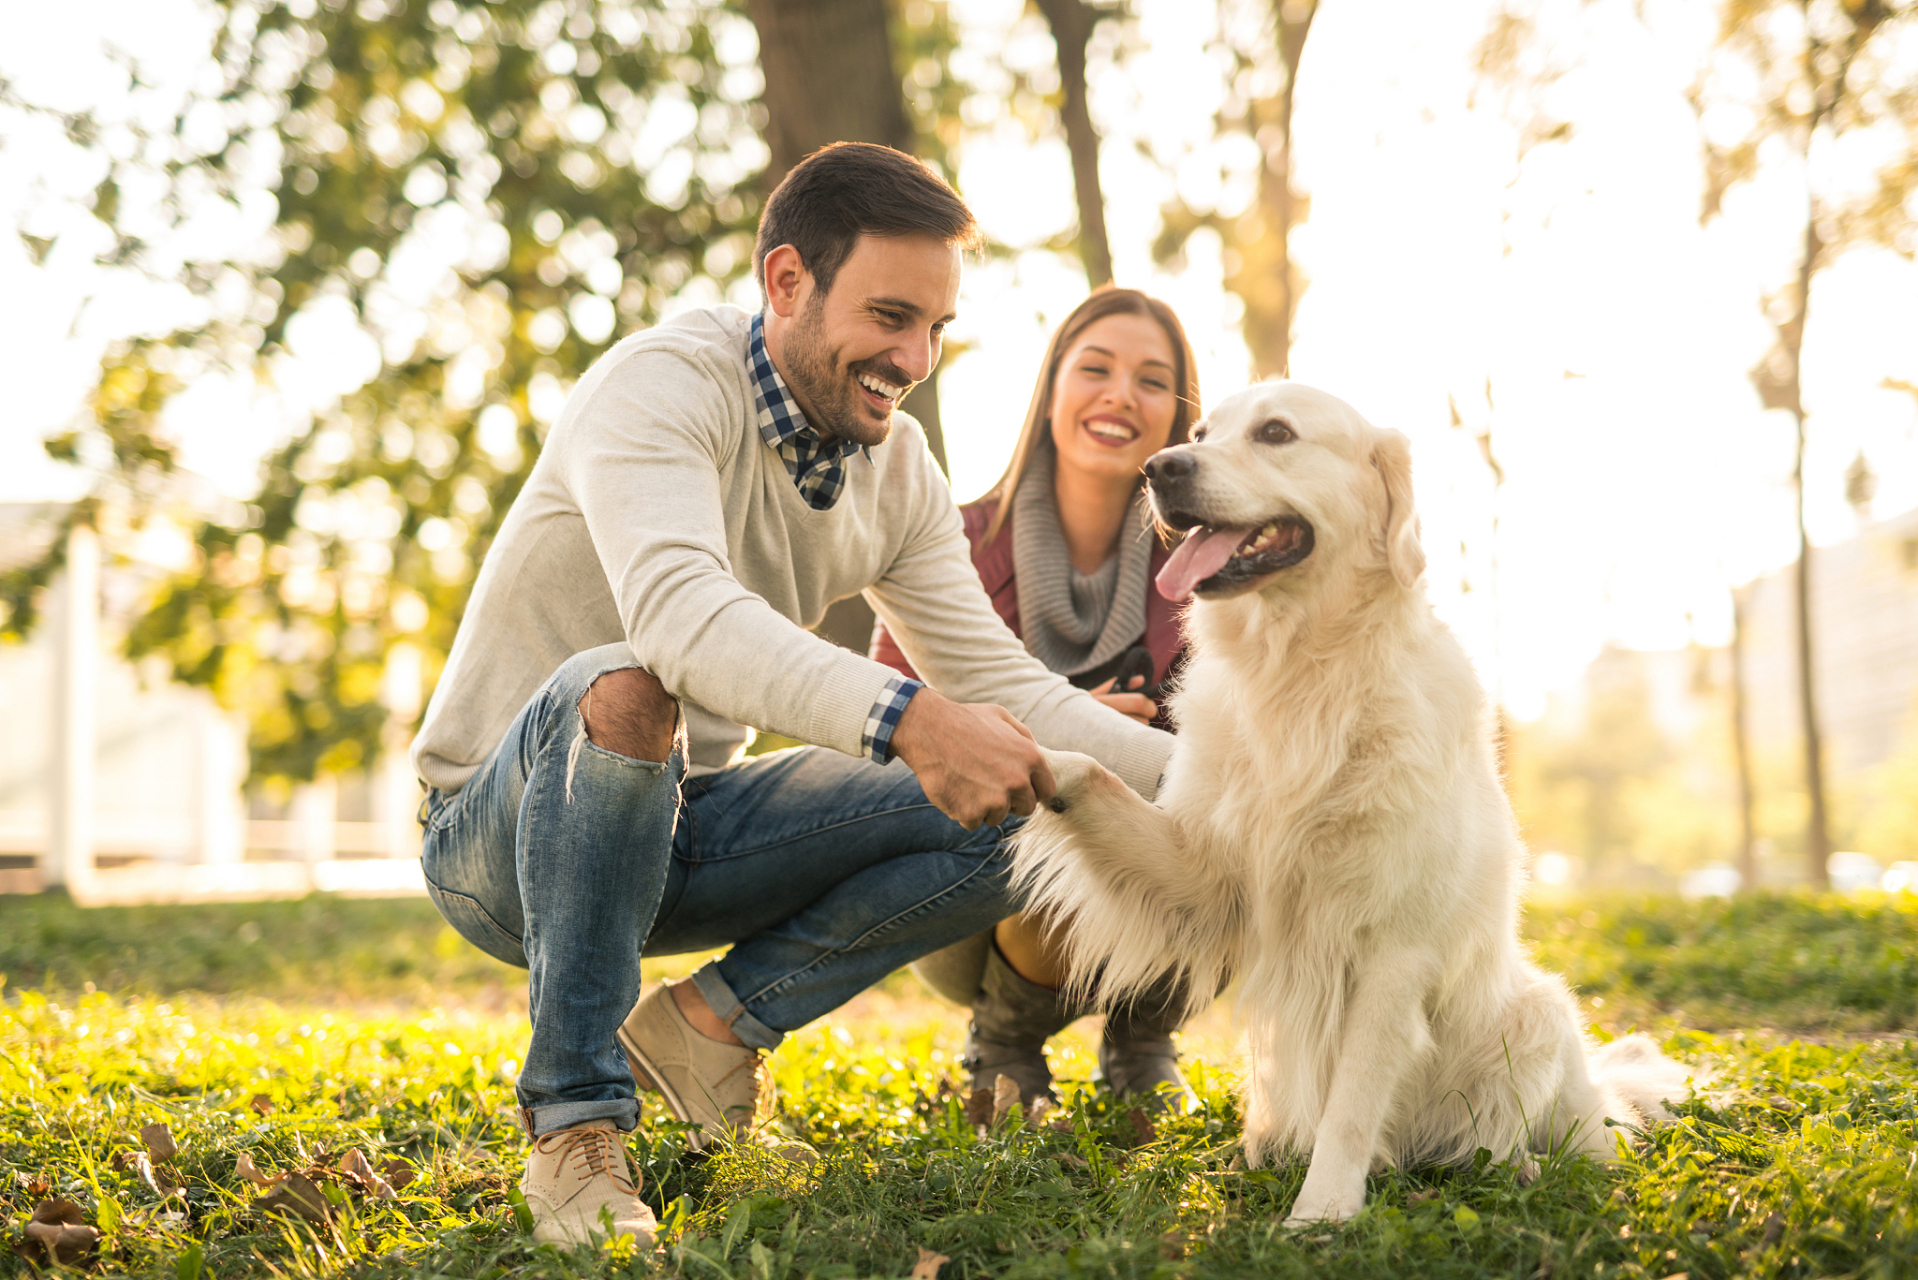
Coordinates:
[994,562]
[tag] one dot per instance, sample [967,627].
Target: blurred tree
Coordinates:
[487,192]
[1265,42]
[1614,789]
[1791,82]
[1072,23]
[1741,748]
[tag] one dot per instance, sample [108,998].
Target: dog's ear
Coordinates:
[1392,455]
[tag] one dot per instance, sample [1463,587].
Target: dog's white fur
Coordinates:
[1332,832]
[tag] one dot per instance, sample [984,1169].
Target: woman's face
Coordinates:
[1114,398]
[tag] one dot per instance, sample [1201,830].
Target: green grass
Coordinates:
[364,1028]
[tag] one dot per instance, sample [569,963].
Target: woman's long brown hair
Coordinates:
[1104,301]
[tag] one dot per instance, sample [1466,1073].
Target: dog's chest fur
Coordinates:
[1308,767]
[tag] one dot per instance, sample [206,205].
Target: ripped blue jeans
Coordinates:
[821,872]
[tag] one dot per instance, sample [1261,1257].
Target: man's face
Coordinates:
[851,354]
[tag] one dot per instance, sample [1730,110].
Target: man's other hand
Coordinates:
[975,761]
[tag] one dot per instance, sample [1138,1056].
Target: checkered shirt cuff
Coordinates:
[876,741]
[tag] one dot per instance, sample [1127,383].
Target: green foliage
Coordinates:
[1811,962]
[315,948]
[1795,1164]
[493,192]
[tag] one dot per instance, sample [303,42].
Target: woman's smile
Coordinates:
[1110,429]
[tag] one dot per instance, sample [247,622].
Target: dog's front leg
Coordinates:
[1138,898]
[1383,1039]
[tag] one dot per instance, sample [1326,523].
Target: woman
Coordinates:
[1064,545]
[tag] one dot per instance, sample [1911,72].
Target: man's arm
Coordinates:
[931,601]
[641,458]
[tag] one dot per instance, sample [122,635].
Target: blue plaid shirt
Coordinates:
[817,467]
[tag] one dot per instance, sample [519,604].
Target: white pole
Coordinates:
[396,790]
[316,807]
[69,856]
[222,804]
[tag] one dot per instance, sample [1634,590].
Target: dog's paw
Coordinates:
[1075,777]
[1322,1201]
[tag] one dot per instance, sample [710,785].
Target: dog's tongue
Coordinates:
[1202,554]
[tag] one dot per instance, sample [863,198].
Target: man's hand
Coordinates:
[975,762]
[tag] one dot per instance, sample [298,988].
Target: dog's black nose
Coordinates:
[1170,464]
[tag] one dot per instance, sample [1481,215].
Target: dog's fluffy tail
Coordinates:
[1631,1070]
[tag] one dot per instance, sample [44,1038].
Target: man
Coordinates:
[709,488]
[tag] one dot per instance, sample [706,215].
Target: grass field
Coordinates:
[293,1033]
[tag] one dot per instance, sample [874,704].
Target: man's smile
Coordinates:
[879,393]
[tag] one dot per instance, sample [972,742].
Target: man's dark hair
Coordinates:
[840,192]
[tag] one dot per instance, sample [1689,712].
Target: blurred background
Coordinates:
[293,289]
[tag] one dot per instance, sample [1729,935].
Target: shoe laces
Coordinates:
[590,1152]
[757,1065]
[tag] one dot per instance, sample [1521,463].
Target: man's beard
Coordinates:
[842,410]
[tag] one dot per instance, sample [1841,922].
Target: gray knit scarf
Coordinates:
[1074,622]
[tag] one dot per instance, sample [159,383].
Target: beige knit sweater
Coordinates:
[657,515]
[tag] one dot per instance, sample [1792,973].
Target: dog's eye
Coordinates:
[1198,434]
[1276,432]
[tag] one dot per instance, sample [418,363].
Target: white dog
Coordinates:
[1331,829]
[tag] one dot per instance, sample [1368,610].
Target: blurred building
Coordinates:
[1864,595]
[166,812]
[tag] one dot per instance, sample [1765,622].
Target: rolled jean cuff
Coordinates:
[549,1116]
[732,1011]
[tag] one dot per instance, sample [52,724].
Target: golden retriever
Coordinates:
[1331,829]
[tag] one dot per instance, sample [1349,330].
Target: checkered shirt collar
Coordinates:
[815,465]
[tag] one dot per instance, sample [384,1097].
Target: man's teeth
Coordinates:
[885,390]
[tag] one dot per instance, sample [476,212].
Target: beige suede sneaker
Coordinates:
[573,1174]
[723,1088]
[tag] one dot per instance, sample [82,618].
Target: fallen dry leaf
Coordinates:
[1142,1126]
[356,1166]
[1069,1160]
[979,1107]
[144,1167]
[1172,1245]
[34,1186]
[57,1233]
[262,1104]
[927,1268]
[1774,1228]
[297,1193]
[1420,1197]
[397,1172]
[1040,1109]
[251,1172]
[159,1140]
[1005,1096]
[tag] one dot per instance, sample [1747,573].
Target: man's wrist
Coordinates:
[887,709]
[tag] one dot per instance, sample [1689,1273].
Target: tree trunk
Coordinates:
[1265,277]
[1817,827]
[830,78]
[1741,752]
[1072,22]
